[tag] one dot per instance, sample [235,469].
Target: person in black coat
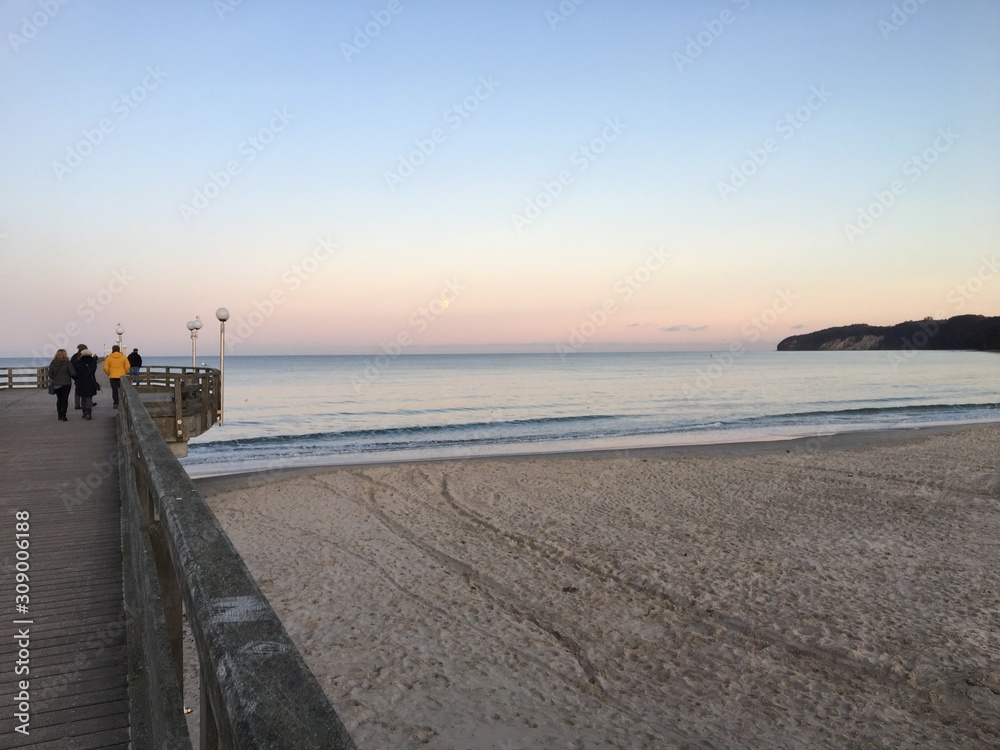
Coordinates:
[135,363]
[73,360]
[86,381]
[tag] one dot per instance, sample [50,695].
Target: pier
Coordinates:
[107,548]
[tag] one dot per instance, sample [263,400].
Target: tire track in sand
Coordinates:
[947,699]
[507,600]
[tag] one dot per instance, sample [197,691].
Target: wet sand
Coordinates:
[830,593]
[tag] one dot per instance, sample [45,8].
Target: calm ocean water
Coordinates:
[346,409]
[285,411]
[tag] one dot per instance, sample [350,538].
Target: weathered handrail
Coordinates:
[256,690]
[36,376]
[156,707]
[24,377]
[183,401]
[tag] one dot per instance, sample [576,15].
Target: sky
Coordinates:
[404,177]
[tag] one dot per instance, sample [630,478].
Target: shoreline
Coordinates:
[833,441]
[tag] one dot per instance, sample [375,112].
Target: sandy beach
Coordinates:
[833,593]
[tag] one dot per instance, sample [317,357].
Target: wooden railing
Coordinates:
[183,402]
[256,690]
[24,377]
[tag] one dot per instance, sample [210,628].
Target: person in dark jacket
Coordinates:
[61,374]
[86,381]
[73,360]
[135,362]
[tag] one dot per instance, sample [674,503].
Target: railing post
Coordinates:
[179,408]
[201,401]
[170,595]
[216,395]
[141,484]
[208,731]
[208,393]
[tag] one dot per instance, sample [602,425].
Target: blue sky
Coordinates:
[356,160]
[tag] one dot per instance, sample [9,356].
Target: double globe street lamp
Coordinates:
[194,326]
[223,315]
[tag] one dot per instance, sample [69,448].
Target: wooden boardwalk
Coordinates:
[65,475]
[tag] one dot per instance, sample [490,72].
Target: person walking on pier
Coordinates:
[86,381]
[73,360]
[135,362]
[61,374]
[115,367]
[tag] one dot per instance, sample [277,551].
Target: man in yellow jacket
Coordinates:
[116,366]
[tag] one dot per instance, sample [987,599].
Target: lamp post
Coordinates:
[119,330]
[223,315]
[193,326]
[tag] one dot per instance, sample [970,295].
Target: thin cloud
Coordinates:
[678,329]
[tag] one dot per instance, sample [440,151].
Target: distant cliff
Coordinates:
[961,332]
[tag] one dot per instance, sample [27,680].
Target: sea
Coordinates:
[284,411]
